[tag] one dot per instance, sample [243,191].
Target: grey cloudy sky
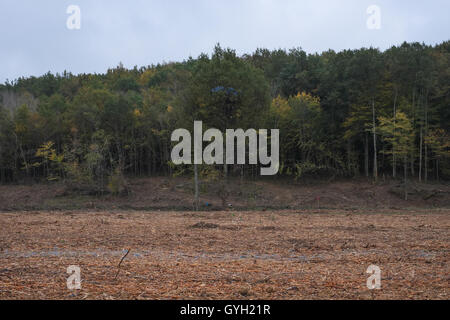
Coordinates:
[35,39]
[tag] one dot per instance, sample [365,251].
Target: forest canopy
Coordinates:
[345,114]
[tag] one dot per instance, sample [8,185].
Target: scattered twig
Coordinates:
[121,260]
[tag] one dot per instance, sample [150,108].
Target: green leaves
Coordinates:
[321,102]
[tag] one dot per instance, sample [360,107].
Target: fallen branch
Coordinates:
[121,260]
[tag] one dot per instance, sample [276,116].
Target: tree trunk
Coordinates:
[437,170]
[394,164]
[420,153]
[196,201]
[225,171]
[414,124]
[366,155]
[406,174]
[425,169]
[349,146]
[375,167]
[426,134]
[2,172]
[22,153]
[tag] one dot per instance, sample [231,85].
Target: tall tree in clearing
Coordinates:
[398,133]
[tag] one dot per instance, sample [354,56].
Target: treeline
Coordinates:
[350,113]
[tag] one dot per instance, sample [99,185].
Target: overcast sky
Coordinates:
[35,39]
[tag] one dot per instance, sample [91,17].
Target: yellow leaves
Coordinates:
[47,152]
[307,97]
[145,77]
[169,109]
[20,128]
[439,142]
[284,107]
[50,158]
[302,109]
[399,133]
[137,113]
[281,106]
[55,157]
[305,101]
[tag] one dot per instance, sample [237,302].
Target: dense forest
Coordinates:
[341,114]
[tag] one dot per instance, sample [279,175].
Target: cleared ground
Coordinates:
[177,194]
[308,254]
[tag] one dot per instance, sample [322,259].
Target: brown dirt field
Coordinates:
[308,254]
[163,193]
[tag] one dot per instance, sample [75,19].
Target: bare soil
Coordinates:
[161,193]
[291,254]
